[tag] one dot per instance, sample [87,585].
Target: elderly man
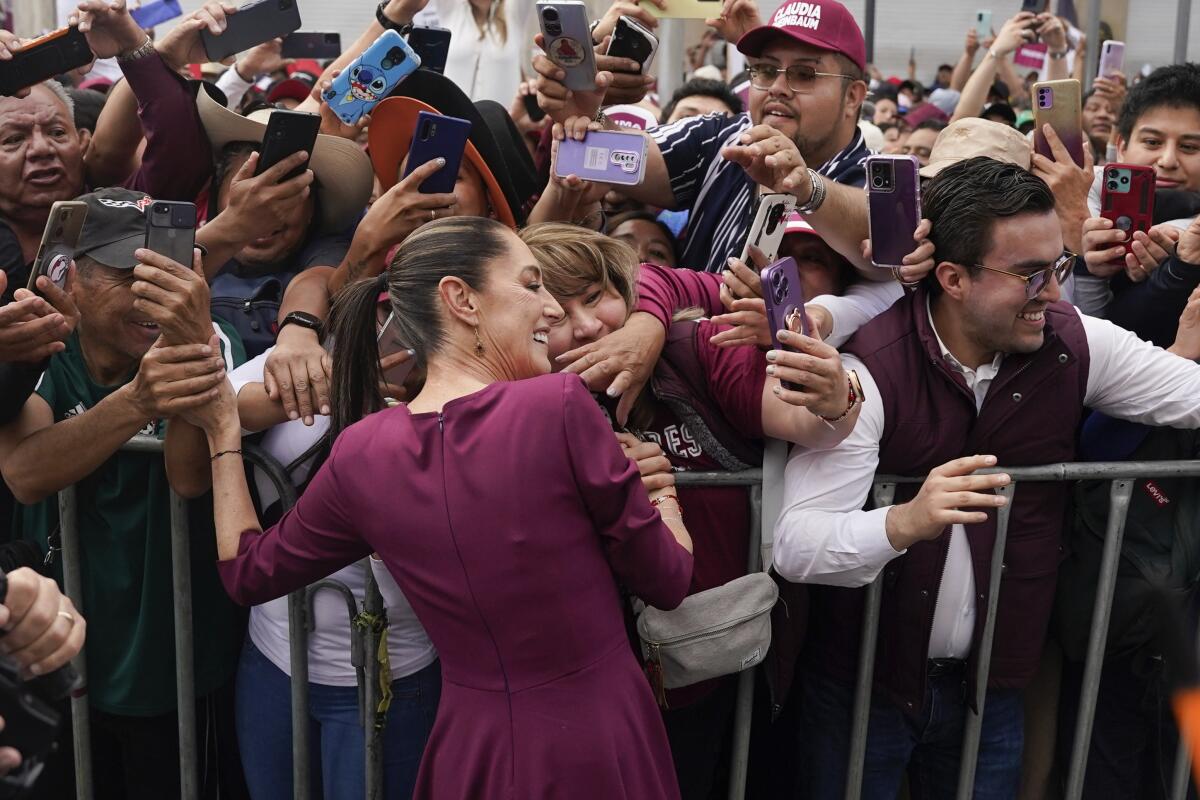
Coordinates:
[41,151]
[145,341]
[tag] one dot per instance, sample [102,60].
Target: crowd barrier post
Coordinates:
[73,586]
[882,494]
[373,636]
[1120,495]
[185,676]
[744,708]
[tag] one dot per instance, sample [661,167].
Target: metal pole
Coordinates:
[869,29]
[81,736]
[1093,42]
[185,673]
[671,58]
[298,625]
[1181,780]
[1183,11]
[974,722]
[884,494]
[373,606]
[1118,507]
[744,708]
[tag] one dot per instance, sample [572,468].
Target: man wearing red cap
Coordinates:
[800,136]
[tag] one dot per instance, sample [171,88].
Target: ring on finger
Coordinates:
[432,214]
[68,616]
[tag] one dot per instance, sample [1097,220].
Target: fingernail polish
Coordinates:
[771,369]
[772,355]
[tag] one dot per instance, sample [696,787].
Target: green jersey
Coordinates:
[124,517]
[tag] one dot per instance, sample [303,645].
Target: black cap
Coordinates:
[1002,110]
[114,228]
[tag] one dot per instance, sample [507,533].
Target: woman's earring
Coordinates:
[478,343]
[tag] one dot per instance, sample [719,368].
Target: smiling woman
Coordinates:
[444,490]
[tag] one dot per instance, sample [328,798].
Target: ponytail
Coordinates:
[356,370]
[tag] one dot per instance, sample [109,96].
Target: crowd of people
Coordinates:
[483,397]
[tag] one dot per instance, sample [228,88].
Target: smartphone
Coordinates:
[288,132]
[251,25]
[46,57]
[1112,59]
[630,39]
[390,344]
[983,22]
[58,243]
[370,77]
[171,230]
[783,295]
[535,112]
[151,14]
[604,157]
[432,45]
[893,207]
[687,9]
[568,40]
[438,136]
[1057,103]
[1127,198]
[1035,6]
[768,226]
[312,44]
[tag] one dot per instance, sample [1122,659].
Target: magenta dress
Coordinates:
[508,520]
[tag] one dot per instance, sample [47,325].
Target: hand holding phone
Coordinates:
[768,227]
[1127,198]
[43,58]
[288,132]
[631,40]
[251,25]
[783,295]
[604,157]
[171,230]
[371,77]
[893,206]
[1057,103]
[438,136]
[59,239]
[567,36]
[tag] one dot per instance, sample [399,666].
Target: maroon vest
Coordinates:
[1029,417]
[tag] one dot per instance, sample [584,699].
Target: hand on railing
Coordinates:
[946,491]
[654,466]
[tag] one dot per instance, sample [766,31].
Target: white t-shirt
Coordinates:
[329,664]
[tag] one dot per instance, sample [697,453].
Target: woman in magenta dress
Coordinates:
[508,515]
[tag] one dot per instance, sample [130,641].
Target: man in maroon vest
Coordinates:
[982,358]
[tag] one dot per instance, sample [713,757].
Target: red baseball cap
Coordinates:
[826,24]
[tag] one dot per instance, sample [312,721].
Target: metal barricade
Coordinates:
[1121,474]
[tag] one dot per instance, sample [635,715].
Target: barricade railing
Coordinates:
[366,641]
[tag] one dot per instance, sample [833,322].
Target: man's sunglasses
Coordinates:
[1036,281]
[800,77]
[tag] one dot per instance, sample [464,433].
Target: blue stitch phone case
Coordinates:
[371,77]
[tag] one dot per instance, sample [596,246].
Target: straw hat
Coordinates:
[971,137]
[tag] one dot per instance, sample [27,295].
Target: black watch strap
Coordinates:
[304,320]
[387,24]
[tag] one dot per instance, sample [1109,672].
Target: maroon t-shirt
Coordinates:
[718,518]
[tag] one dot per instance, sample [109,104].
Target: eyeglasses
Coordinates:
[800,77]
[1036,281]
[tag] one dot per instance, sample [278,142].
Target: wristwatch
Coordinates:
[1059,55]
[304,320]
[403,28]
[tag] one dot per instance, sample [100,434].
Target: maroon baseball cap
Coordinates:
[826,24]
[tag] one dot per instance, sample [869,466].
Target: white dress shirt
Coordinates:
[824,537]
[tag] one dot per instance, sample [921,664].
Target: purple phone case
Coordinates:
[604,157]
[895,213]
[446,139]
[1112,59]
[1068,127]
[784,297]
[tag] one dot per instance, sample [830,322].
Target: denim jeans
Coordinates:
[928,749]
[337,757]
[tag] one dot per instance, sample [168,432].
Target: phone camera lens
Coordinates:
[877,181]
[1125,179]
[550,15]
[1112,184]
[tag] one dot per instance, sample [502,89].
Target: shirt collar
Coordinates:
[985,371]
[848,158]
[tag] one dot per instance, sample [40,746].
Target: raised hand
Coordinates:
[771,160]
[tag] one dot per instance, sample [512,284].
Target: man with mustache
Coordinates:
[807,85]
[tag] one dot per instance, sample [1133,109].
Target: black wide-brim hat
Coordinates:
[495,146]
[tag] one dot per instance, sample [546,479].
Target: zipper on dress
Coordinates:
[441,419]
